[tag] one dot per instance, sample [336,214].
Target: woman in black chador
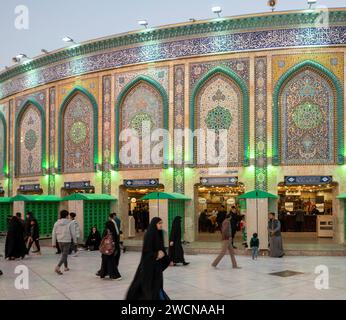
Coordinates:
[94,240]
[148,281]
[175,251]
[109,265]
[15,245]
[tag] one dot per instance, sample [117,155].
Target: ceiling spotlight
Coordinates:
[217,10]
[68,39]
[19,57]
[44,51]
[311,3]
[143,23]
[272,4]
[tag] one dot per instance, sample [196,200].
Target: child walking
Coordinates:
[254,245]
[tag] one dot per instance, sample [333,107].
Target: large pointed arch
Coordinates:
[153,83]
[330,76]
[245,100]
[75,91]
[28,102]
[3,170]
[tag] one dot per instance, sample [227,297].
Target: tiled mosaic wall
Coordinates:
[3,141]
[139,95]
[29,141]
[78,135]
[261,162]
[307,113]
[308,109]
[219,107]
[179,123]
[52,139]
[218,101]
[10,149]
[106,134]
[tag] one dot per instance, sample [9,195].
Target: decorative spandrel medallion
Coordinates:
[78,124]
[219,107]
[307,106]
[30,142]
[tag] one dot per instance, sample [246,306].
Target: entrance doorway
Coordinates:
[307,212]
[210,201]
[137,210]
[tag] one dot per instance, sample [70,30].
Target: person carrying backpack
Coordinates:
[109,249]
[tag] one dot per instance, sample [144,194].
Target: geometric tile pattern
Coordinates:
[2,143]
[78,133]
[52,137]
[179,123]
[10,149]
[106,134]
[307,112]
[261,123]
[219,107]
[141,107]
[30,141]
[158,74]
[178,48]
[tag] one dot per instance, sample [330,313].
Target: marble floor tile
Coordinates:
[197,281]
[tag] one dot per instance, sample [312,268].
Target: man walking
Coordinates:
[226,244]
[234,224]
[75,225]
[63,233]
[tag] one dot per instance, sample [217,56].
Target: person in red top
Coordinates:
[226,243]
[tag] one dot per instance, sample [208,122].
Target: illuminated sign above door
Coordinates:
[134,183]
[307,180]
[219,181]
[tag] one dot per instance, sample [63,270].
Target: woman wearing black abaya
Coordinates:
[175,251]
[148,281]
[15,244]
[27,226]
[109,265]
[94,240]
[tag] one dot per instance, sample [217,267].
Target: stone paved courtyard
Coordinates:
[197,281]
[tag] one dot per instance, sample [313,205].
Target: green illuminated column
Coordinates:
[10,149]
[106,134]
[179,123]
[52,107]
[261,173]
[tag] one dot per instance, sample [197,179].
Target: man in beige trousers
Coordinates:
[226,244]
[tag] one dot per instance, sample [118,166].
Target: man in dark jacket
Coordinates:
[221,215]
[300,219]
[234,224]
[226,245]
[34,236]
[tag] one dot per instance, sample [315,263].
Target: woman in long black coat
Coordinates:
[15,244]
[27,226]
[109,266]
[148,281]
[175,251]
